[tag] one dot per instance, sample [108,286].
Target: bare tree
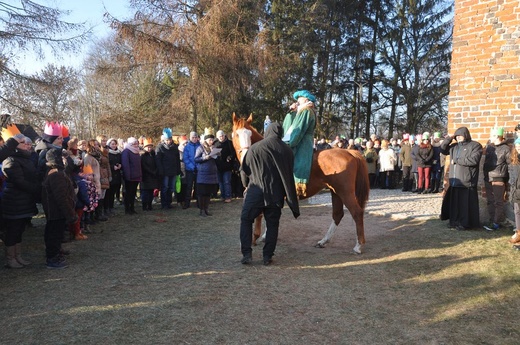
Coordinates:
[26,26]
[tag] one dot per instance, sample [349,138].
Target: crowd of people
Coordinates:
[449,164]
[413,162]
[78,182]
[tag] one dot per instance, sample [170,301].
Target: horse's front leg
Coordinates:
[337,215]
[258,229]
[321,243]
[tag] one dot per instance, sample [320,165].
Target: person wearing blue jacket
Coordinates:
[207,173]
[188,158]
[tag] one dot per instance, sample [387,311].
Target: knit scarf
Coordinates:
[114,152]
[166,146]
[96,154]
[132,148]
[206,147]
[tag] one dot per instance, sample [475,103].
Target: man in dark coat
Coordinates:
[460,203]
[269,165]
[225,163]
[497,157]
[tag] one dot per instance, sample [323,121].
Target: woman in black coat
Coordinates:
[149,180]
[460,203]
[19,200]
[514,172]
[114,158]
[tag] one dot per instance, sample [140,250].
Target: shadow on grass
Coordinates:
[180,281]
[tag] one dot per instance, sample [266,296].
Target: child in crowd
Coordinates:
[88,176]
[82,200]
[58,200]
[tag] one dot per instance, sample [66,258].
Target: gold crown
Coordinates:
[147,141]
[209,131]
[87,169]
[10,131]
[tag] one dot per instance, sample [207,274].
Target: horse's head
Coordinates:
[244,135]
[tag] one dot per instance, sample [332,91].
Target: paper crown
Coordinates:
[147,141]
[87,169]
[53,129]
[167,132]
[418,137]
[426,136]
[437,134]
[406,136]
[10,131]
[64,131]
[498,132]
[209,131]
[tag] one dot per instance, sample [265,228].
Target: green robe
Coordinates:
[299,134]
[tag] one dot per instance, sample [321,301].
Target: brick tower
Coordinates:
[485,69]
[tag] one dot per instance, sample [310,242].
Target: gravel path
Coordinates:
[395,204]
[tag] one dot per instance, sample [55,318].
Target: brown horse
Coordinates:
[344,172]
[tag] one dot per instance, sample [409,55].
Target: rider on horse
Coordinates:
[299,127]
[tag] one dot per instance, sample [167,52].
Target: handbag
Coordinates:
[178,184]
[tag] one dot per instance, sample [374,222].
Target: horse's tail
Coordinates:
[362,181]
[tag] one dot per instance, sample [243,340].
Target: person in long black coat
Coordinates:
[168,167]
[460,203]
[22,189]
[149,180]
[269,166]
[114,158]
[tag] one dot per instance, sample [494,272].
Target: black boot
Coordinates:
[435,188]
[406,186]
[201,206]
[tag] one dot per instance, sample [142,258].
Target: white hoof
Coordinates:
[357,249]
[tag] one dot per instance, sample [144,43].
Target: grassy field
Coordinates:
[175,278]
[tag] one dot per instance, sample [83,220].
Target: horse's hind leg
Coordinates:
[358,215]
[337,215]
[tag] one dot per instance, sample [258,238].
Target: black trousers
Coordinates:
[14,229]
[111,194]
[54,231]
[131,192]
[272,216]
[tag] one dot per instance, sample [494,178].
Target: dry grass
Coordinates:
[180,282]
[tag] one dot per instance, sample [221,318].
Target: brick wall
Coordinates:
[485,70]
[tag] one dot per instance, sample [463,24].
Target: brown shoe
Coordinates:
[515,238]
[80,237]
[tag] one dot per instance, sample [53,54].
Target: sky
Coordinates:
[89,11]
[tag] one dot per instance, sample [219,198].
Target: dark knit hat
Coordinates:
[49,138]
[54,158]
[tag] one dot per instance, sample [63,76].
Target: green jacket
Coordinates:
[299,135]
